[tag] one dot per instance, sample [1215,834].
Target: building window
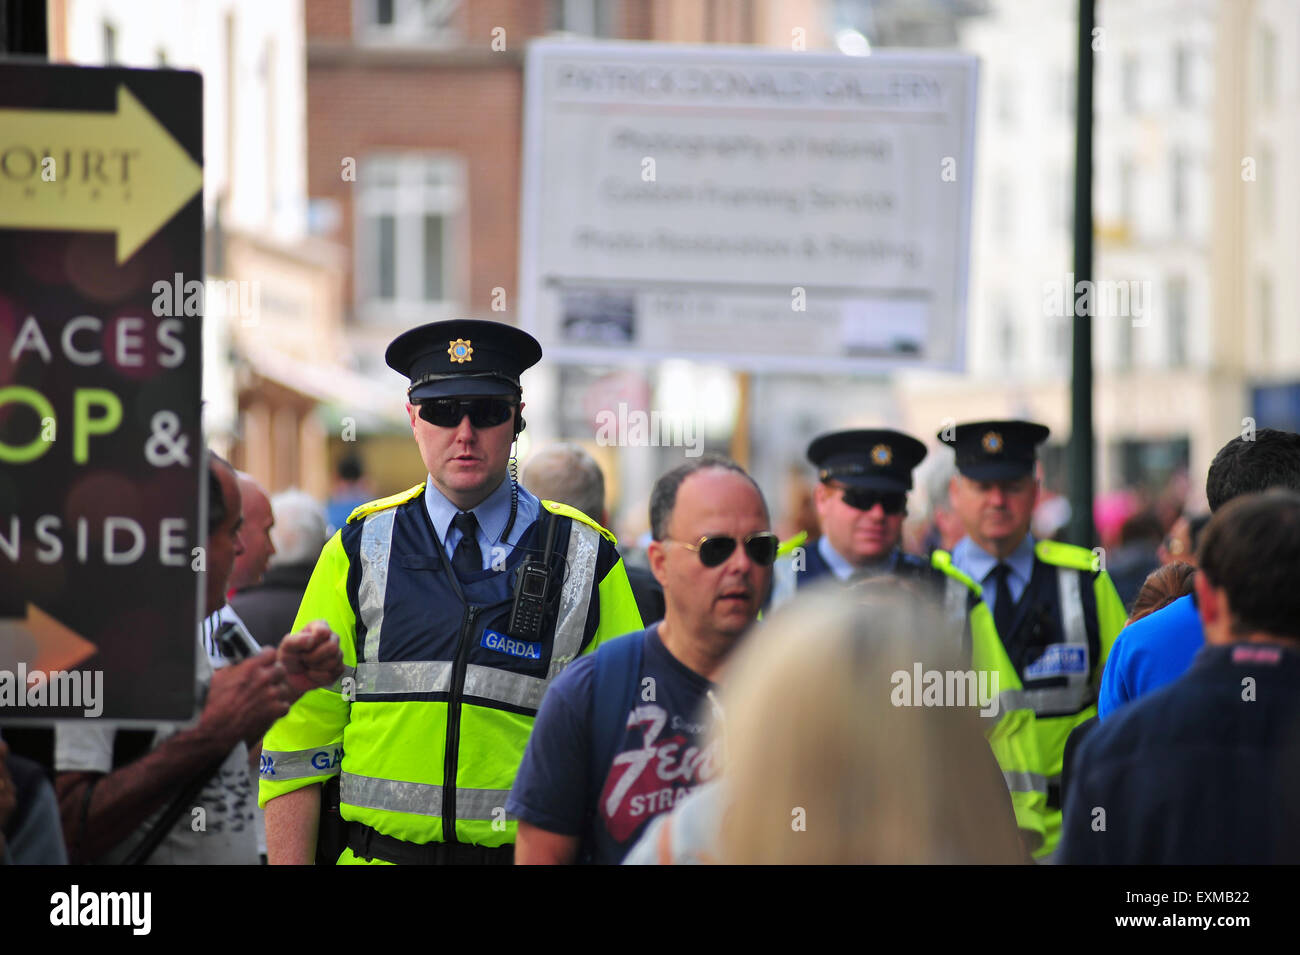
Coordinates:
[586,17]
[1063,339]
[323,216]
[435,22]
[1183,94]
[1176,314]
[1124,344]
[1130,77]
[110,43]
[1180,172]
[1266,63]
[1127,195]
[1151,464]
[1265,319]
[410,225]
[1264,187]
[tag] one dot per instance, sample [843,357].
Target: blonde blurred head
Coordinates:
[822,768]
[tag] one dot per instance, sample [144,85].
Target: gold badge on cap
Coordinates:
[992,442]
[460,351]
[881,455]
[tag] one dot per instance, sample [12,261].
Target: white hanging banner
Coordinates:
[771,210]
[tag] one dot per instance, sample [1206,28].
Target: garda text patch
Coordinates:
[509,645]
[1059,659]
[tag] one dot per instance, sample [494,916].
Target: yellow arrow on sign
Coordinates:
[117,172]
[41,642]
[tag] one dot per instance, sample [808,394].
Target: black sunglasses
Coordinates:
[449,412]
[894,502]
[761,548]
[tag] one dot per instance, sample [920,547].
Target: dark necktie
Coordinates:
[1004,609]
[467,559]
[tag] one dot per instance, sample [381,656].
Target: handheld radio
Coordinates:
[532,581]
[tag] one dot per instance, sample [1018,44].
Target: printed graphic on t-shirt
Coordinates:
[649,779]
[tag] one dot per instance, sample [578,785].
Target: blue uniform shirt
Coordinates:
[492,513]
[979,564]
[1149,653]
[843,570]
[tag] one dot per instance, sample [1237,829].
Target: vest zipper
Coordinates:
[451,754]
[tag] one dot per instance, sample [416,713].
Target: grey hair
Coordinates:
[937,479]
[299,531]
[568,474]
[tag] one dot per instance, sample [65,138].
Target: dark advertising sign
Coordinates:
[101,454]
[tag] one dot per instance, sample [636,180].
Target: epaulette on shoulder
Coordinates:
[941,561]
[788,546]
[1066,555]
[564,510]
[401,497]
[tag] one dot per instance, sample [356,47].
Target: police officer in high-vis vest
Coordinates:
[861,499]
[864,477]
[1055,610]
[456,603]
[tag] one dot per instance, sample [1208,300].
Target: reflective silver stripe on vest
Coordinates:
[376,543]
[1072,608]
[1057,699]
[423,799]
[349,673]
[391,795]
[1076,633]
[502,686]
[1009,700]
[575,598]
[482,804]
[412,676]
[299,763]
[1020,782]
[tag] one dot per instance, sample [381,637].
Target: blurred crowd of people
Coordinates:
[837,773]
[732,697]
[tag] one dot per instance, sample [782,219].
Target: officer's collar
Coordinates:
[843,570]
[979,563]
[492,512]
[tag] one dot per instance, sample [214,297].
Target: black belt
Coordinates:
[368,844]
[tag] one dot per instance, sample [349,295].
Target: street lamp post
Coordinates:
[1080,456]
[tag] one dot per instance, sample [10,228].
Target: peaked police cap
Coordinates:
[875,459]
[463,357]
[995,450]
